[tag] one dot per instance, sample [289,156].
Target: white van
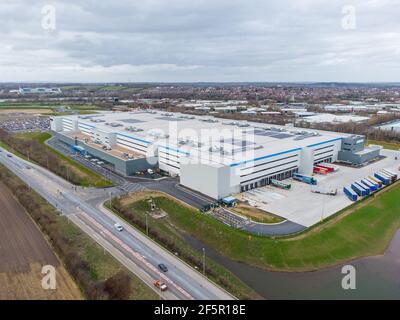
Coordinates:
[118,227]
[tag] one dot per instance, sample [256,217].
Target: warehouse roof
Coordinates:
[221,140]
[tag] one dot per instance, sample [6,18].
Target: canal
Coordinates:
[377,277]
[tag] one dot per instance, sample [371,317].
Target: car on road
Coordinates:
[118,227]
[160,285]
[163,267]
[9,155]
[28,167]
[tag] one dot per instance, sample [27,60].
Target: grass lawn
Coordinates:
[256,214]
[113,88]
[88,177]
[385,145]
[364,229]
[84,108]
[173,234]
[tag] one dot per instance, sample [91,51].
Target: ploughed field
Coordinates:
[23,253]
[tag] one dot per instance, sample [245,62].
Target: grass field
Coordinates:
[50,109]
[386,145]
[173,235]
[363,229]
[88,178]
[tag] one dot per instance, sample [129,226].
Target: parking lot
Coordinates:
[23,123]
[304,207]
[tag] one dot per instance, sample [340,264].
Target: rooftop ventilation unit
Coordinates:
[209,120]
[158,135]
[186,117]
[275,129]
[232,123]
[306,135]
[114,124]
[189,142]
[133,129]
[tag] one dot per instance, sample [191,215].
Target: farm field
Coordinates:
[23,252]
[385,145]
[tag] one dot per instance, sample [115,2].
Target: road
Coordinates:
[137,252]
[171,186]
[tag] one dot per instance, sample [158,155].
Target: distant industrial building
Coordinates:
[332,118]
[24,91]
[216,157]
[393,126]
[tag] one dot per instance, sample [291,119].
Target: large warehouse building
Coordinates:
[216,157]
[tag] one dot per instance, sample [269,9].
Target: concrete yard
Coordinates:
[304,207]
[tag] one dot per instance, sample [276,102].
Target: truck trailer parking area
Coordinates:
[307,208]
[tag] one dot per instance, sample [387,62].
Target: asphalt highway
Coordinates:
[137,252]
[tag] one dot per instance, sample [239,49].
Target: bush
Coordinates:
[118,287]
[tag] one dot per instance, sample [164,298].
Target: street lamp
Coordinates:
[204,261]
[147,223]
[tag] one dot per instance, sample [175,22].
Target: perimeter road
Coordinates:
[137,252]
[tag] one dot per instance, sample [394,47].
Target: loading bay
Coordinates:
[306,208]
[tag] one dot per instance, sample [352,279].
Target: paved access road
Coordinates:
[171,186]
[138,253]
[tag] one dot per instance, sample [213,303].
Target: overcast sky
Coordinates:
[199,40]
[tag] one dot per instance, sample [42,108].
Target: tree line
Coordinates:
[368,129]
[167,242]
[41,154]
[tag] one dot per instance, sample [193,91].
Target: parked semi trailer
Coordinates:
[323,166]
[359,190]
[392,175]
[375,184]
[369,185]
[324,190]
[350,194]
[379,182]
[305,179]
[320,170]
[281,184]
[391,172]
[387,176]
[385,180]
[330,165]
[367,190]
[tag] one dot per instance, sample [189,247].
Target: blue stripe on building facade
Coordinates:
[137,139]
[283,152]
[179,151]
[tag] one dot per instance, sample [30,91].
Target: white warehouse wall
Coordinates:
[211,180]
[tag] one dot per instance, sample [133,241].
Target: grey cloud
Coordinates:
[202,40]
